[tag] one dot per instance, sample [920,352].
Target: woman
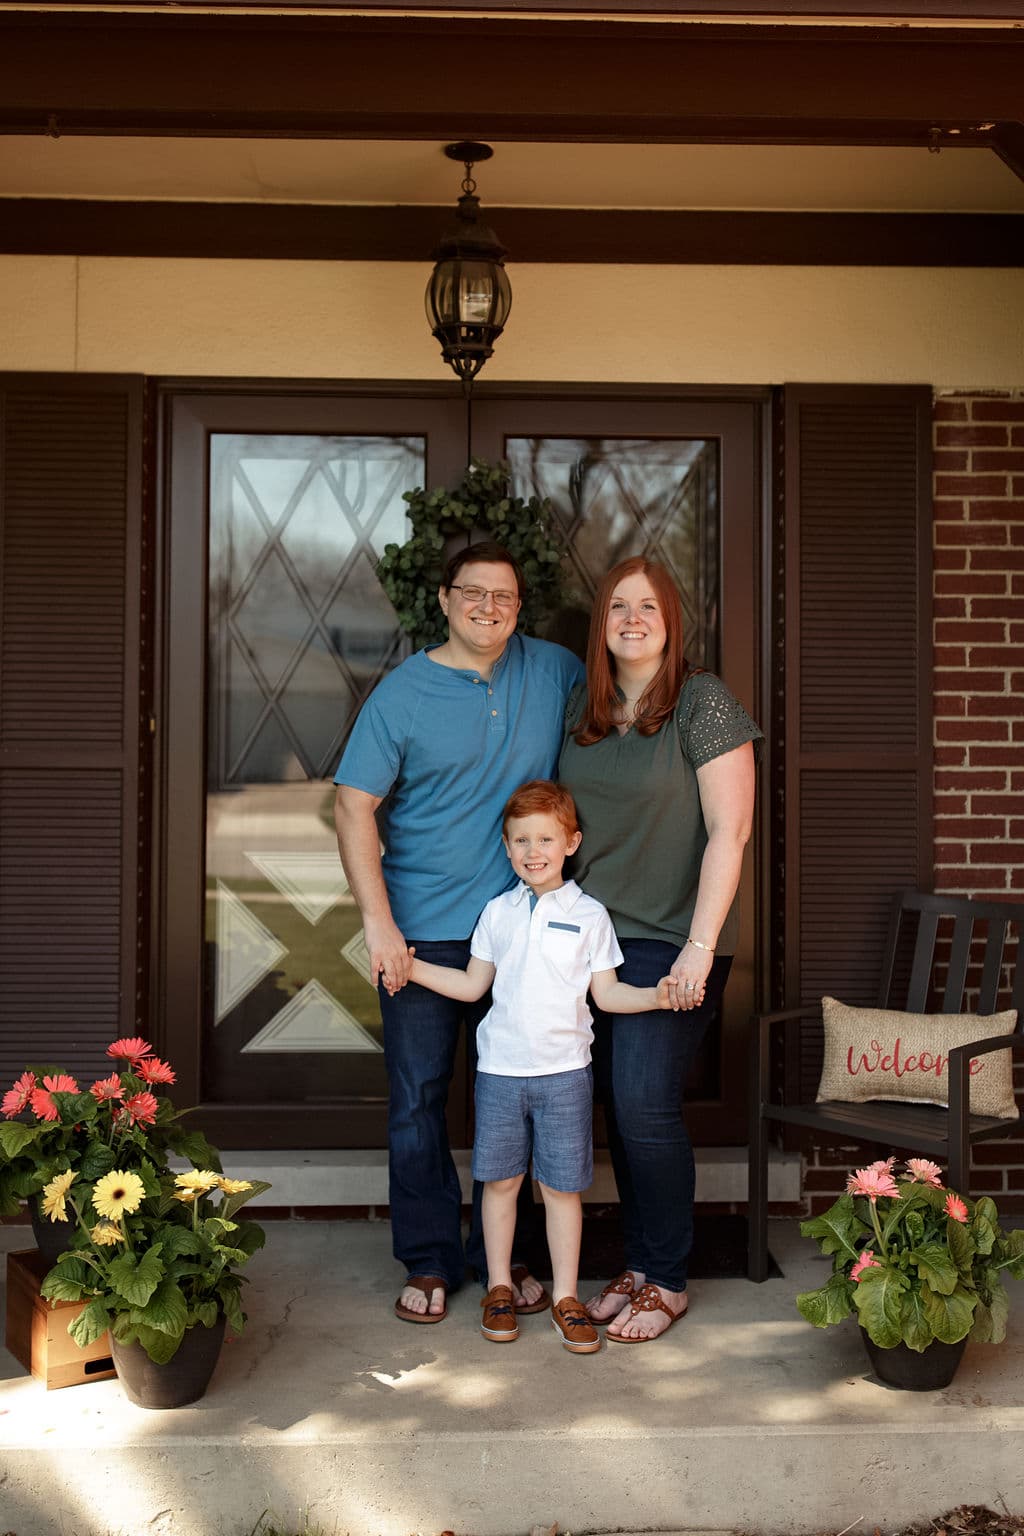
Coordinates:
[659,758]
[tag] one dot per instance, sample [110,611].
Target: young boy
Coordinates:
[541,945]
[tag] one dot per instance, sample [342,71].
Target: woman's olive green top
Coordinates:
[643,830]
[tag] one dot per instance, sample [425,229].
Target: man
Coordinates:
[446,737]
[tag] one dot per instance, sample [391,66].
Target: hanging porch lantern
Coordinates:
[468,295]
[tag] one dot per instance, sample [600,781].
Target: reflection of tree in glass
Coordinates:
[615,498]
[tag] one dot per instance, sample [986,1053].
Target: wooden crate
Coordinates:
[37,1330]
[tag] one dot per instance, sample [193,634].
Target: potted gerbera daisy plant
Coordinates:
[920,1266]
[152,1253]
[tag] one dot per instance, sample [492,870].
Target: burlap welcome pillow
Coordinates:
[872,1053]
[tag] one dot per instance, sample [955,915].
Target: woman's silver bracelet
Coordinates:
[708,948]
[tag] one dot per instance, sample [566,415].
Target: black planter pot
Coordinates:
[183,1379]
[926,1371]
[52,1237]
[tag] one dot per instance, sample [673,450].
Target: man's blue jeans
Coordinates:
[641,1061]
[421,1036]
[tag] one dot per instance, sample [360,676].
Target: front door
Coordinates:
[276,638]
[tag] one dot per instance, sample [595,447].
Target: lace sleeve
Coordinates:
[712,721]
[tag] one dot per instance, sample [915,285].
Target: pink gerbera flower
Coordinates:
[42,1104]
[872,1182]
[141,1108]
[955,1208]
[923,1172]
[107,1088]
[131,1049]
[867,1260]
[17,1097]
[156,1071]
[884,1165]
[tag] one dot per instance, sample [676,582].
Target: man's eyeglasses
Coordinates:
[503,598]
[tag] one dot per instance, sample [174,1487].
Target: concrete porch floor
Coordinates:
[742,1418]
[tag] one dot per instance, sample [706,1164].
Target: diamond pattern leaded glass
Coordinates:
[617,497]
[300,632]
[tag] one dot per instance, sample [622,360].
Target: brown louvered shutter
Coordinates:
[70,546]
[856,759]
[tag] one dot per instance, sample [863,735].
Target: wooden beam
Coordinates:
[44,226]
[537,79]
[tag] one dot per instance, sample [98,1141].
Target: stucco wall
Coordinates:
[756,325]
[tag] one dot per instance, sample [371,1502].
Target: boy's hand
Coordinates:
[391,986]
[668,995]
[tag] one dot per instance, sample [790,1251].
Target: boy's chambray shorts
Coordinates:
[550,1117]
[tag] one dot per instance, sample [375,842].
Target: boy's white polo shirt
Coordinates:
[539,1021]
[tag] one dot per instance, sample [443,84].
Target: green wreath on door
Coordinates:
[481,507]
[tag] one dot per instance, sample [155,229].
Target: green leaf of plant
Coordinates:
[829,1304]
[914,1324]
[838,1229]
[97,1159]
[990,1316]
[878,1299]
[90,1324]
[936,1266]
[194,1146]
[15,1137]
[950,1317]
[166,1310]
[59,1286]
[204,1313]
[179,1240]
[136,1280]
[962,1248]
[250,1237]
[232,1304]
[233,1203]
[159,1345]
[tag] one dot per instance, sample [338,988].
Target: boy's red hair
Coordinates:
[542,798]
[662,692]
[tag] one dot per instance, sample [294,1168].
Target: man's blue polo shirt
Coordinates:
[449,747]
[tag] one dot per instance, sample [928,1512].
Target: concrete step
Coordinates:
[741,1418]
[360,1178]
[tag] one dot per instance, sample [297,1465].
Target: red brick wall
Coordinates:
[979,703]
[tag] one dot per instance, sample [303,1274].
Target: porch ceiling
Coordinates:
[539,175]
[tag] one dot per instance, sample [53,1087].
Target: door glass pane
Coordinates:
[617,497]
[300,632]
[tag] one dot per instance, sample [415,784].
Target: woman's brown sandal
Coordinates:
[648,1299]
[623,1285]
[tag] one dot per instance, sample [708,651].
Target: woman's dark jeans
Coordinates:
[421,1037]
[641,1061]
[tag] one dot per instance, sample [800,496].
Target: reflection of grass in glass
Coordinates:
[314,952]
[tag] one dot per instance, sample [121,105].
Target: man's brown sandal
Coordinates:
[648,1299]
[623,1285]
[427,1284]
[570,1321]
[520,1272]
[499,1320]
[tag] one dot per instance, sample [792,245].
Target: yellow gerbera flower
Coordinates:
[54,1193]
[105,1234]
[234,1186]
[118,1192]
[186,1196]
[198,1180]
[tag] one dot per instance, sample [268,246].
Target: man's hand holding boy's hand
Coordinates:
[390,986]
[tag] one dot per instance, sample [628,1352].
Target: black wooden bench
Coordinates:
[926,1130]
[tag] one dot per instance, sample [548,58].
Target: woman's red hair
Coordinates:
[661,695]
